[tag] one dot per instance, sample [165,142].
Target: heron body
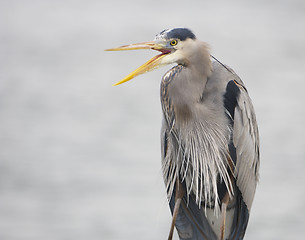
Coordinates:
[209,138]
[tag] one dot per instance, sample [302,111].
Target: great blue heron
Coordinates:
[209,136]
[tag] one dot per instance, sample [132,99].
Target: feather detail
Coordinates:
[199,162]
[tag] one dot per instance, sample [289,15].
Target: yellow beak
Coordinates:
[152,64]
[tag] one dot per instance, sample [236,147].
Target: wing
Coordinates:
[244,151]
[245,139]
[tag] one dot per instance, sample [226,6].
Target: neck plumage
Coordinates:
[186,82]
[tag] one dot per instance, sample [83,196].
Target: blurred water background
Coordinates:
[80,159]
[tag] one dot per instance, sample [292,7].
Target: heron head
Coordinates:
[174,44]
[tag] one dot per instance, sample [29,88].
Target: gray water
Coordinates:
[80,159]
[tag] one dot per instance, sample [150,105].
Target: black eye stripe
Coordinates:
[176,33]
[180,33]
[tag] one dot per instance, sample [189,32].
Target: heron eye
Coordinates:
[173,42]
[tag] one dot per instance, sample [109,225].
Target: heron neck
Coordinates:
[190,83]
[181,90]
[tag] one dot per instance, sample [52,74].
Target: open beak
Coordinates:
[152,64]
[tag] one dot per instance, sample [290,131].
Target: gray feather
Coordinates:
[196,131]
